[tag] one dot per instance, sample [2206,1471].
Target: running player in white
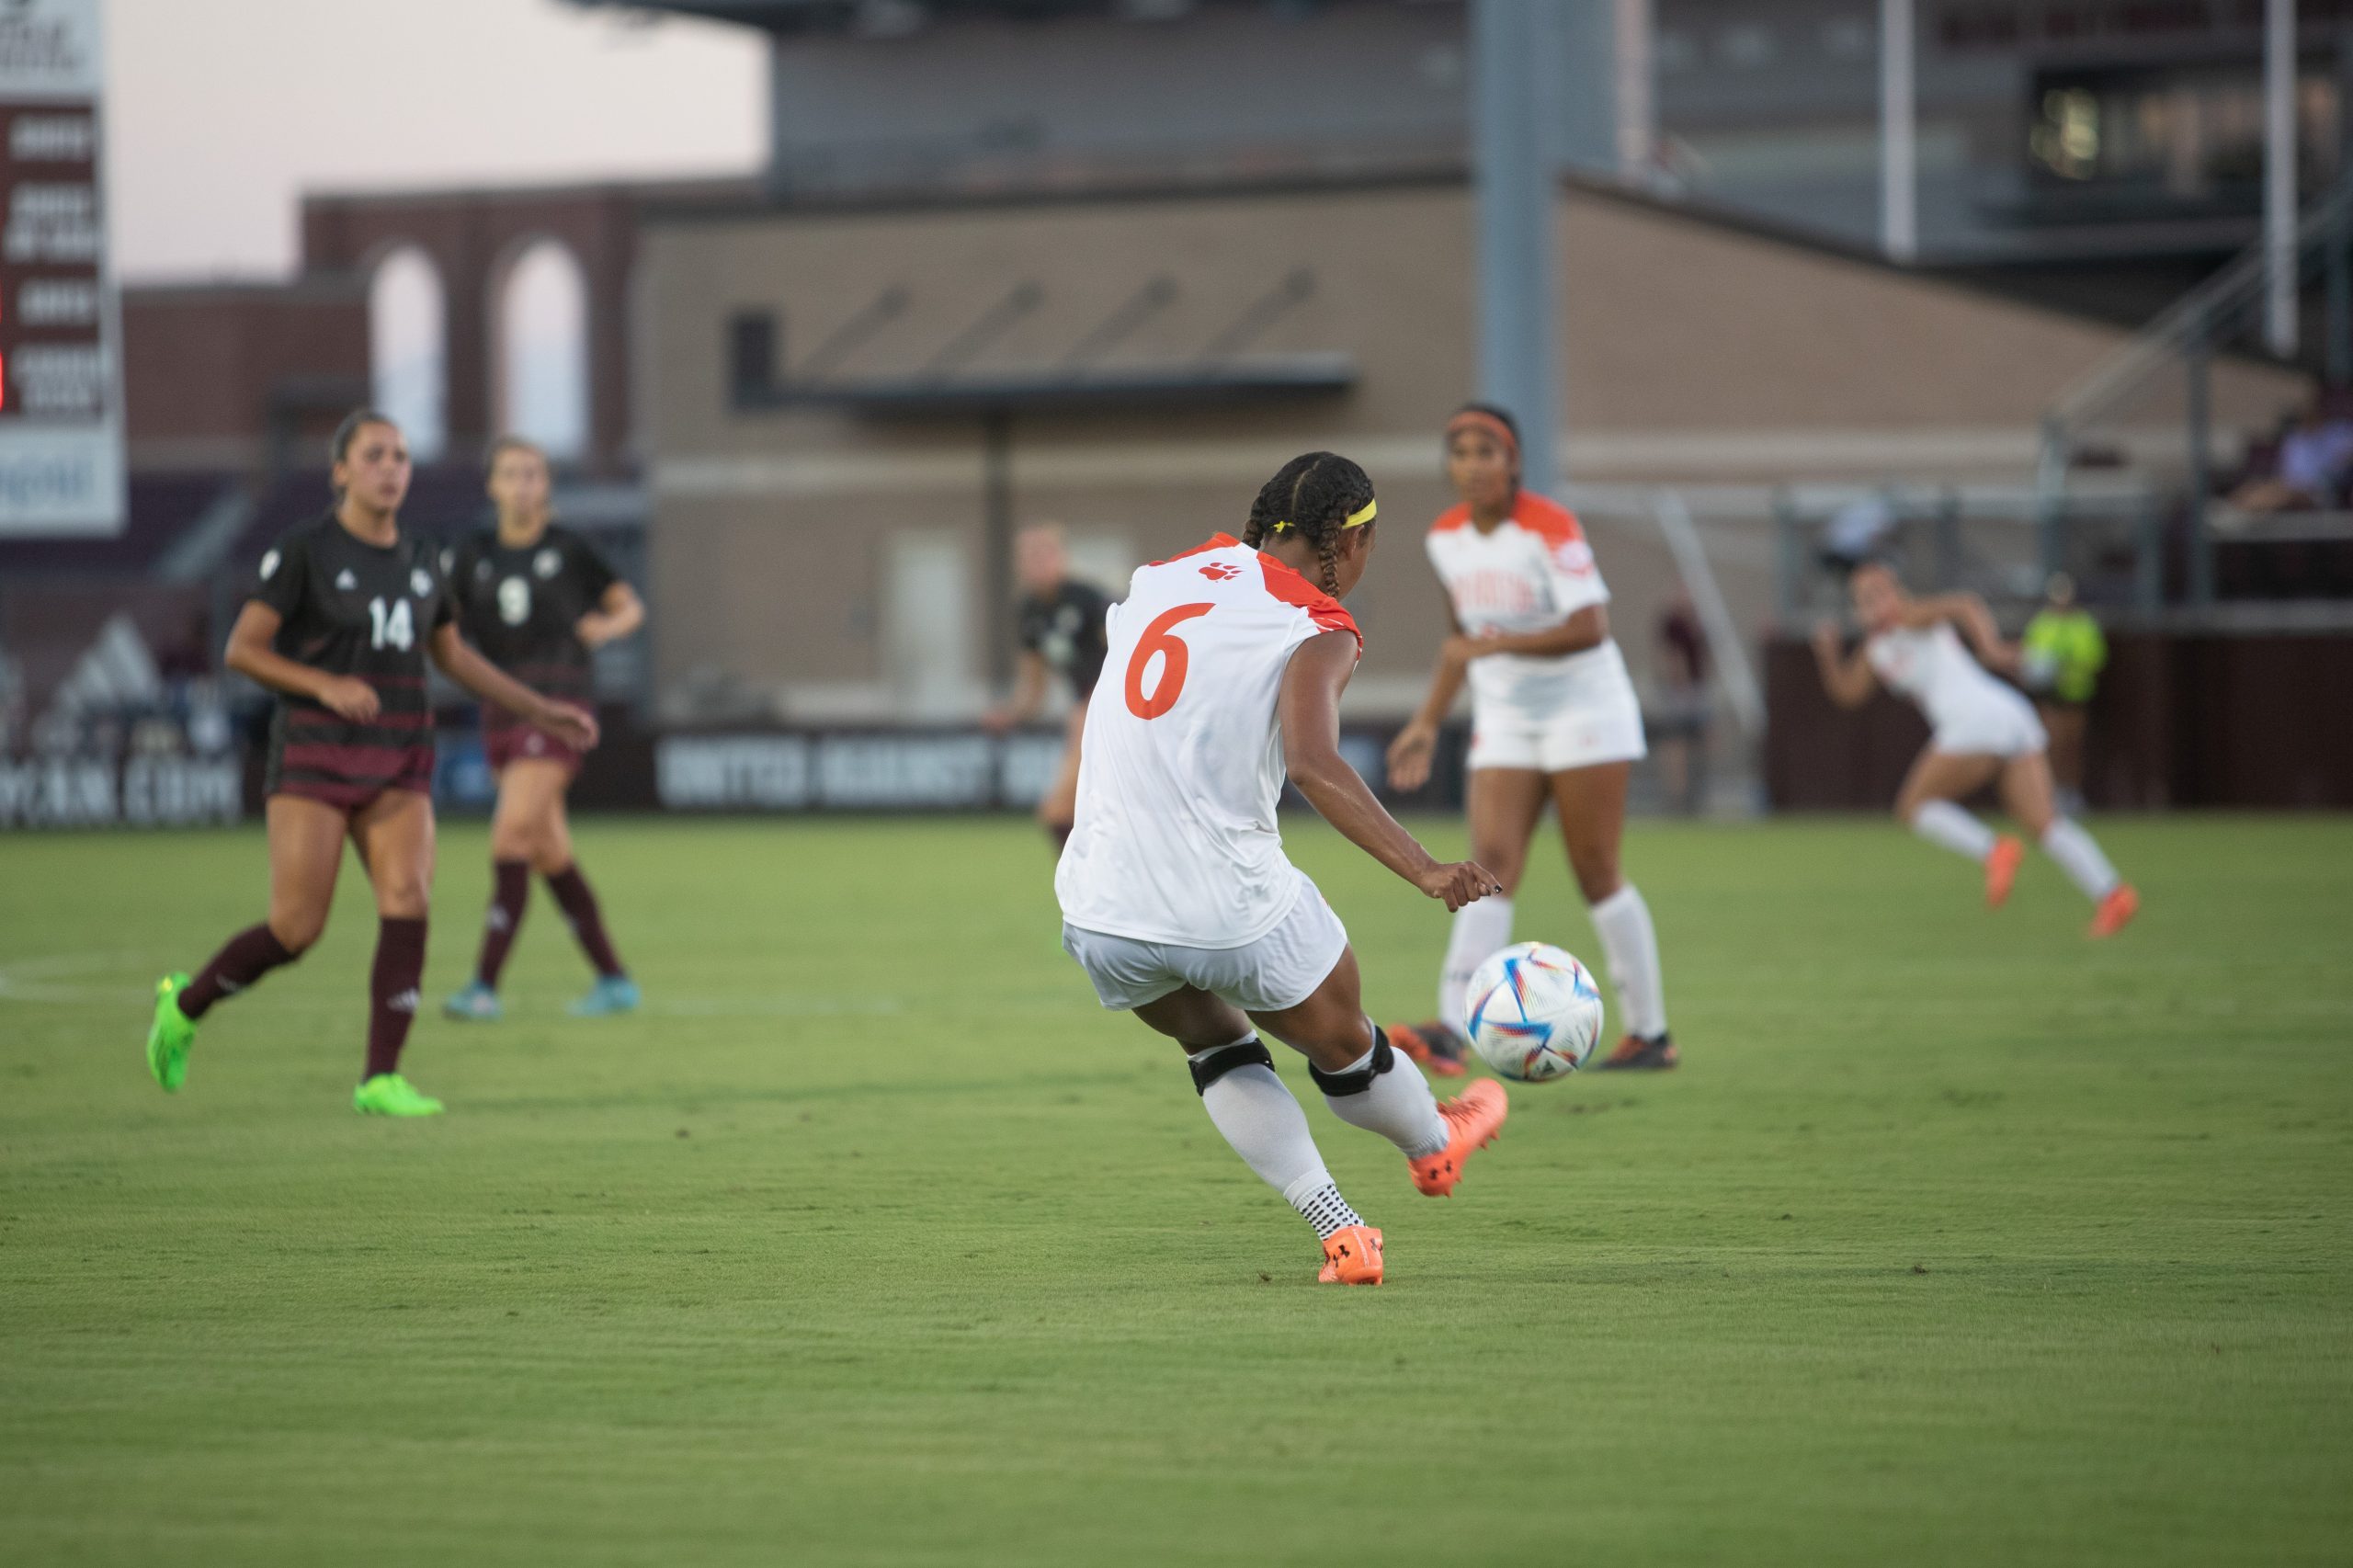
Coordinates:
[1554,722]
[1983,733]
[1224,673]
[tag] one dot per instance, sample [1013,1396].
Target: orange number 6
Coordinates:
[1158,638]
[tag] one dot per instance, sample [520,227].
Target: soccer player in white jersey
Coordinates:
[1983,733]
[1224,674]
[1554,722]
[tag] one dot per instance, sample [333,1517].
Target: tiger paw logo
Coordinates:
[1217,571]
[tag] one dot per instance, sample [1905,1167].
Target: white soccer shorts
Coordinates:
[2002,725]
[1593,718]
[1280,969]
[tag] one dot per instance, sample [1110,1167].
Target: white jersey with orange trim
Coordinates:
[1530,573]
[1971,712]
[1181,761]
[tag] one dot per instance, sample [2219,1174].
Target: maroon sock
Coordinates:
[510,890]
[392,991]
[244,959]
[579,906]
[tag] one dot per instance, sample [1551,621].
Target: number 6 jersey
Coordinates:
[352,609]
[1181,763]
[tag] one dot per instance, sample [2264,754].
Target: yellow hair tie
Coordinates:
[1355,519]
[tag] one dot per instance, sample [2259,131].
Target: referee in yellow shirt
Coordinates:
[2063,654]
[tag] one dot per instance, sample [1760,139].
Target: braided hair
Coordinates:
[1311,497]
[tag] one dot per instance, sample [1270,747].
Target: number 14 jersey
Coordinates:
[1181,763]
[352,609]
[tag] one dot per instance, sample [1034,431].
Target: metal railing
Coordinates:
[2216,316]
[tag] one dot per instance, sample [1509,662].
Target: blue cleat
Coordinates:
[476,1004]
[611,994]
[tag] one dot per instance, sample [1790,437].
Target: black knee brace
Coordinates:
[1251,1052]
[1339,1085]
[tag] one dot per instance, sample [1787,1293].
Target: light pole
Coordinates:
[1513,57]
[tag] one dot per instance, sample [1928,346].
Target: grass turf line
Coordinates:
[874,1241]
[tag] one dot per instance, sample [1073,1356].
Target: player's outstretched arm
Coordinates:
[1984,634]
[1587,629]
[1846,676]
[1309,711]
[617,613]
[1411,754]
[1976,622]
[1029,694]
[250,654]
[577,727]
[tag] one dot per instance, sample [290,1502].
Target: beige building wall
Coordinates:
[1694,354]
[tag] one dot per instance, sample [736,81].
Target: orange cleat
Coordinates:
[2115,911]
[1474,1118]
[1351,1256]
[2002,870]
[1656,1054]
[1433,1046]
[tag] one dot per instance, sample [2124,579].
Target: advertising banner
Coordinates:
[61,400]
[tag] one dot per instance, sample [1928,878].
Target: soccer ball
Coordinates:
[1534,1012]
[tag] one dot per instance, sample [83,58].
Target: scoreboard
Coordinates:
[61,402]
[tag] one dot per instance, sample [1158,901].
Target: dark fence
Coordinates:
[2256,721]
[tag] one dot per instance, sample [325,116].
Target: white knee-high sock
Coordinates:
[1947,826]
[2079,856]
[1630,946]
[1396,1104]
[1266,1126]
[1479,930]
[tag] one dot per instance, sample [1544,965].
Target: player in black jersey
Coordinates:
[536,599]
[341,616]
[1062,633]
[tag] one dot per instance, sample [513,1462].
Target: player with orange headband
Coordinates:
[1554,722]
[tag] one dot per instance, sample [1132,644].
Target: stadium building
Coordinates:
[1111,264]
[985,284]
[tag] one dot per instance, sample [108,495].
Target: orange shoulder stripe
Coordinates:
[1328,612]
[1542,514]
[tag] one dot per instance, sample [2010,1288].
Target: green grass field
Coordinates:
[873,1241]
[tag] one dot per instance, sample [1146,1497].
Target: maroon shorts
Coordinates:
[521,742]
[348,767]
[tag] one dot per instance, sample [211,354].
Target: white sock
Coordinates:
[1320,1204]
[1479,930]
[1398,1106]
[1268,1129]
[2080,857]
[1630,946]
[1947,826]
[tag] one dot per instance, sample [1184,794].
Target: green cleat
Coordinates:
[170,1035]
[389,1094]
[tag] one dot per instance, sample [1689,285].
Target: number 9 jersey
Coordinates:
[352,609]
[1181,764]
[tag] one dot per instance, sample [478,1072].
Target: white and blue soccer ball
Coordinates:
[1533,1012]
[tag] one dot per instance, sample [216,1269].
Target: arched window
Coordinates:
[542,374]
[407,355]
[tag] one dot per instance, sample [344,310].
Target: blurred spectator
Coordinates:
[2061,657]
[2308,470]
[1680,726]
